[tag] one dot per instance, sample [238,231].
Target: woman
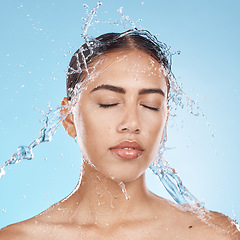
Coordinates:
[117,107]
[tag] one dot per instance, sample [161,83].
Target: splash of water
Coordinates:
[173,184]
[53,118]
[124,190]
[51,122]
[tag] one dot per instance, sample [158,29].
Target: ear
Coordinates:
[68,122]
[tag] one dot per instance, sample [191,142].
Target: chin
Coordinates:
[117,171]
[124,176]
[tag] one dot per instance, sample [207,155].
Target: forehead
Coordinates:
[128,68]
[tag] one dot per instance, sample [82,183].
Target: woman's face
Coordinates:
[120,116]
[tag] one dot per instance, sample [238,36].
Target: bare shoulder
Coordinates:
[225,224]
[213,225]
[197,223]
[33,228]
[28,229]
[15,231]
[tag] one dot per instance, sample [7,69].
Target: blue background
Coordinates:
[37,41]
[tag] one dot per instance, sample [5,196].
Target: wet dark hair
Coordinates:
[106,43]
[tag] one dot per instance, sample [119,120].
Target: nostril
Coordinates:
[137,130]
[130,129]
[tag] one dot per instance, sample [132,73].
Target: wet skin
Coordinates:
[127,101]
[119,122]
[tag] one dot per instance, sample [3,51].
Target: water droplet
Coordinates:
[120,9]
[124,190]
[2,171]
[4,210]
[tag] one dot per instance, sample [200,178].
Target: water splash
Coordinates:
[173,184]
[51,122]
[88,20]
[177,97]
[124,190]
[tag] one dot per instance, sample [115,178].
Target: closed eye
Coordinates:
[151,108]
[115,104]
[108,105]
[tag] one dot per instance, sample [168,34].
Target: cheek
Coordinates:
[156,131]
[90,130]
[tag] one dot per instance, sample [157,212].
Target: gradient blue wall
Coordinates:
[37,41]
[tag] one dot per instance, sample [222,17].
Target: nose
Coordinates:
[130,122]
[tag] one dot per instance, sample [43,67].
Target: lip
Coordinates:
[127,150]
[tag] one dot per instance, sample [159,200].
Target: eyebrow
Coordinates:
[122,90]
[151,90]
[109,87]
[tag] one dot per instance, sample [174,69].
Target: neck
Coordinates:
[102,200]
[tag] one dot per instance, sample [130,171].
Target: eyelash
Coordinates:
[151,108]
[115,104]
[108,105]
